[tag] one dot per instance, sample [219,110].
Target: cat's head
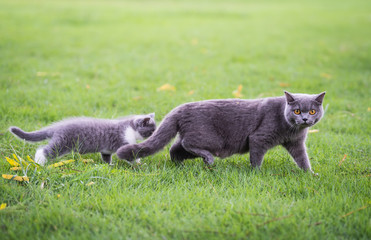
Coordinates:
[145,125]
[303,110]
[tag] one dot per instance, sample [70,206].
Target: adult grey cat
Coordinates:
[225,127]
[88,135]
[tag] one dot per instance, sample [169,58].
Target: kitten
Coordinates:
[88,135]
[222,128]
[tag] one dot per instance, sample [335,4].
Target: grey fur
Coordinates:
[222,128]
[88,135]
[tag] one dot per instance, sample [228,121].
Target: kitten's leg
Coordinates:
[299,153]
[106,157]
[206,155]
[40,157]
[257,152]
[178,153]
[52,150]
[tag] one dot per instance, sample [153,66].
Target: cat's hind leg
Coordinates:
[206,155]
[40,157]
[178,153]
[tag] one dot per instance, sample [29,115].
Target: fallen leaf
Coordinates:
[137,98]
[15,168]
[41,74]
[30,159]
[12,162]
[44,74]
[87,160]
[313,131]
[194,41]
[61,163]
[89,184]
[15,157]
[342,160]
[284,84]
[349,213]
[87,86]
[237,93]
[2,206]
[326,75]
[166,87]
[15,177]
[191,92]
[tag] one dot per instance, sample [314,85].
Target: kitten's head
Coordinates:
[303,110]
[145,125]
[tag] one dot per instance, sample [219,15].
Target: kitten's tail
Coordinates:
[162,136]
[35,136]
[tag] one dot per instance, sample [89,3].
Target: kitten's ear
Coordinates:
[152,115]
[145,121]
[319,97]
[289,97]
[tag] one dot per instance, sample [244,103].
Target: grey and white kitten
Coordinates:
[222,128]
[88,135]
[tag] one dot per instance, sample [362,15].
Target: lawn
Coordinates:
[108,59]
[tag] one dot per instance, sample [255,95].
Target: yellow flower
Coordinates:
[2,206]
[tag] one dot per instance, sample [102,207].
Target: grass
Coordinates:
[107,58]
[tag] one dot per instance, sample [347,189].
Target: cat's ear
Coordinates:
[289,97]
[142,122]
[319,97]
[152,115]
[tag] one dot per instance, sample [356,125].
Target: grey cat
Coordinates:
[222,128]
[88,135]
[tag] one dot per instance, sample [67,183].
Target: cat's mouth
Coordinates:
[303,124]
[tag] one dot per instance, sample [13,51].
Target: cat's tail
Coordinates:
[35,136]
[162,136]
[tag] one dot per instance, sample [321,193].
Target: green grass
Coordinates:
[107,58]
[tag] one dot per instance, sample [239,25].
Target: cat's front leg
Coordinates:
[106,157]
[299,153]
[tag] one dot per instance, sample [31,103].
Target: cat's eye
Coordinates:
[312,112]
[297,111]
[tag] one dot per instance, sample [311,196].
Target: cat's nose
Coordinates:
[305,119]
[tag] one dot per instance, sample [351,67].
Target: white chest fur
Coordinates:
[131,136]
